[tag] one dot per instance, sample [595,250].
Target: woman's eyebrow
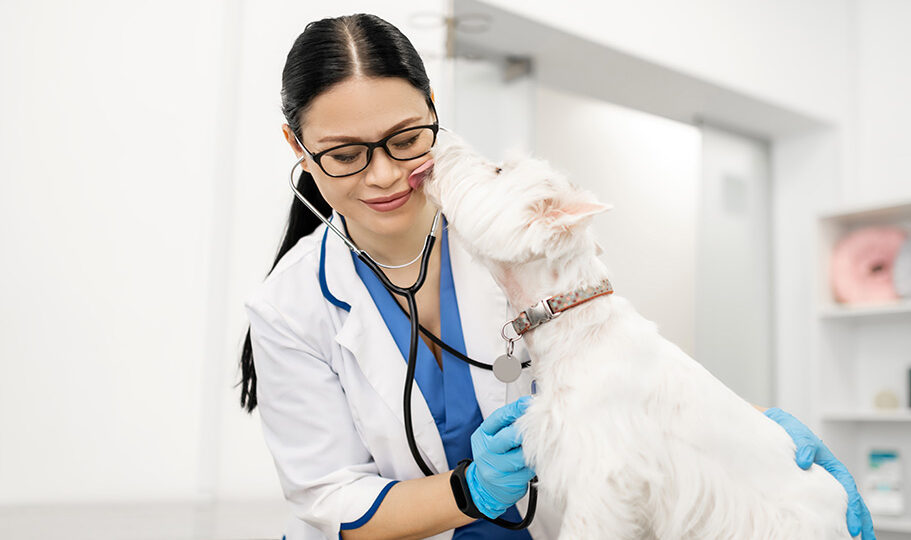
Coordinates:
[344,139]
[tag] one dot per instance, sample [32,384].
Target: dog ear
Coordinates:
[566,216]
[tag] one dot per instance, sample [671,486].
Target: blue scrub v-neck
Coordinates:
[449,392]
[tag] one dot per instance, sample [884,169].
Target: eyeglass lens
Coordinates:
[352,158]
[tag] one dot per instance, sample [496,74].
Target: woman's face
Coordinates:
[366,110]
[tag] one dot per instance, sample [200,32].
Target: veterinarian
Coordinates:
[329,342]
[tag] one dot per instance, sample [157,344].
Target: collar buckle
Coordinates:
[541,312]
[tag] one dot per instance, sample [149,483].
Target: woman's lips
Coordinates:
[418,175]
[387,204]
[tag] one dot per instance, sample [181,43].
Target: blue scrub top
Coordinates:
[449,392]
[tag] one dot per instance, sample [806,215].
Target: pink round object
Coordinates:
[862,265]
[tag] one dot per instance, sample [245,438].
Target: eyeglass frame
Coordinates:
[435,127]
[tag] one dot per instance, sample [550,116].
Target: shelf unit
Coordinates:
[842,312]
[868,416]
[860,350]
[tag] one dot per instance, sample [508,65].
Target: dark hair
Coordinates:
[327,52]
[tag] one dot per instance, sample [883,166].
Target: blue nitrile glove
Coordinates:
[498,476]
[810,449]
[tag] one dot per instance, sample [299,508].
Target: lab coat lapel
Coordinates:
[364,333]
[483,310]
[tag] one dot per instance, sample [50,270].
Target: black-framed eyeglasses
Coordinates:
[352,158]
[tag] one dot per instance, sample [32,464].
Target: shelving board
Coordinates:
[867,215]
[834,311]
[901,415]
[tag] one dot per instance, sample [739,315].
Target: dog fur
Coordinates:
[630,437]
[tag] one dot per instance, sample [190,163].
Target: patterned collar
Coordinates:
[553,306]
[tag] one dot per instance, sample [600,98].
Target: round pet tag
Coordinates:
[507,368]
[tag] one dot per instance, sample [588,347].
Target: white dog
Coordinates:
[629,436]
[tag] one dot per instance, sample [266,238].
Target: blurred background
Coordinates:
[144,191]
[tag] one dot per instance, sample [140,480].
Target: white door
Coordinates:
[733,264]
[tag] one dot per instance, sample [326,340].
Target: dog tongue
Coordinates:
[417,177]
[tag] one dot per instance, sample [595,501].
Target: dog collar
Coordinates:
[553,306]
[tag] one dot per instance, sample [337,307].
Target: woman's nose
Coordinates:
[383,171]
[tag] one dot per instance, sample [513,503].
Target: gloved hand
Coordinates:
[498,476]
[810,449]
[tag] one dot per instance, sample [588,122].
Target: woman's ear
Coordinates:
[295,145]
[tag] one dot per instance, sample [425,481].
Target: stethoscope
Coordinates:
[409,294]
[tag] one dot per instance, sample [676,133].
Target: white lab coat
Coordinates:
[330,383]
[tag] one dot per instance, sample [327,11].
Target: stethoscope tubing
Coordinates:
[409,293]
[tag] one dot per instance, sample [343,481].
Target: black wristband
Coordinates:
[461,492]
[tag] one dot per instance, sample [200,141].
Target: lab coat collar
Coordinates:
[482,308]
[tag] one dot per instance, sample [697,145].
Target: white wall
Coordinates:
[107,152]
[791,53]
[648,168]
[883,105]
[494,114]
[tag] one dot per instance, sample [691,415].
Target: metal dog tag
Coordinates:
[507,368]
